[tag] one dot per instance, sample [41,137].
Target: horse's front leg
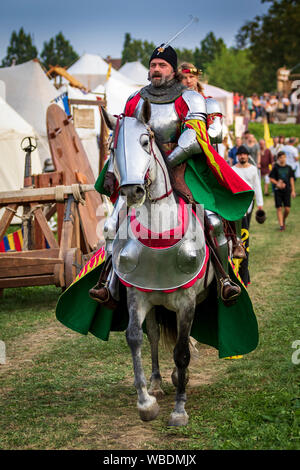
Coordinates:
[138,309]
[185,316]
[153,334]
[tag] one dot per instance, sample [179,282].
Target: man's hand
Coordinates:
[109,182]
[293,194]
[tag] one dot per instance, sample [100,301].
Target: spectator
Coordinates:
[282,177]
[266,163]
[253,148]
[249,174]
[257,108]
[276,147]
[249,106]
[292,155]
[232,157]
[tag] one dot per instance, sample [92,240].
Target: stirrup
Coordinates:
[233,297]
[238,251]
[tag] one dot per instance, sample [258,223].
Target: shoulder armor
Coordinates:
[196,105]
[212,106]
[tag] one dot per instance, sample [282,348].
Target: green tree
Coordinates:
[273,40]
[232,70]
[136,50]
[20,49]
[210,47]
[58,51]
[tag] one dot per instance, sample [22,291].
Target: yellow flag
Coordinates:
[108,71]
[268,139]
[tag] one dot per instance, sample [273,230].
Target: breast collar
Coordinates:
[161,264]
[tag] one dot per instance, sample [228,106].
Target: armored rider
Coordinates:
[186,124]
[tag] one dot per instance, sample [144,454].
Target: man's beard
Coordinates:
[160,79]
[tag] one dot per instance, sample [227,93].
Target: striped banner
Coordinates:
[12,242]
[93,263]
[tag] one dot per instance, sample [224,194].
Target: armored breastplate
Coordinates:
[164,121]
[159,268]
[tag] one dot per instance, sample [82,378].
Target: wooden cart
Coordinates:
[47,258]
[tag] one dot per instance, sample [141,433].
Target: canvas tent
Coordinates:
[136,71]
[13,128]
[224,98]
[91,70]
[30,92]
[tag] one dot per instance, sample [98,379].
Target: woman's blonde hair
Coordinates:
[192,69]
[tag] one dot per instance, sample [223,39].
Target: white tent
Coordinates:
[13,128]
[30,92]
[117,93]
[136,71]
[91,70]
[225,98]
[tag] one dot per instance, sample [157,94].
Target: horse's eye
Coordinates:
[145,142]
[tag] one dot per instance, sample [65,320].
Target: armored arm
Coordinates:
[187,143]
[214,121]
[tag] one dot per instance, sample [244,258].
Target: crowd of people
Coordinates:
[268,105]
[277,166]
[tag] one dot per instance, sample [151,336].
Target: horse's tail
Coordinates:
[168,328]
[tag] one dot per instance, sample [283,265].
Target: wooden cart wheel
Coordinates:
[73,265]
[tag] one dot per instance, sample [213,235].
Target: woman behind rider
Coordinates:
[189,76]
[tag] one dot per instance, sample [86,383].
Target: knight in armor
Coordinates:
[186,124]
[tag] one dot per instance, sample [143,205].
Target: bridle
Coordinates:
[148,180]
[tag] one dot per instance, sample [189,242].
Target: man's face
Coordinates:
[243,158]
[238,142]
[160,72]
[282,159]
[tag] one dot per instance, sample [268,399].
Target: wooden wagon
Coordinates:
[47,257]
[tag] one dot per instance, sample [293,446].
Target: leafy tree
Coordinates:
[58,51]
[20,49]
[210,47]
[232,70]
[273,40]
[136,50]
[185,55]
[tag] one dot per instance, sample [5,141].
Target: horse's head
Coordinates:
[134,162]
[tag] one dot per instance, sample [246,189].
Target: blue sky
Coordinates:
[98,27]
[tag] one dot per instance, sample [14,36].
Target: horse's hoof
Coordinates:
[150,412]
[178,419]
[156,392]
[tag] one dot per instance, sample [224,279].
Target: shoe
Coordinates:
[102,295]
[229,291]
[282,228]
[239,251]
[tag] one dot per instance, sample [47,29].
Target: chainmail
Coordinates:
[167,93]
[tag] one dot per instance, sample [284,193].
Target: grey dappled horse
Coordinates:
[145,184]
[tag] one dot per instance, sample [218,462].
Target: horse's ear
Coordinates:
[145,113]
[109,119]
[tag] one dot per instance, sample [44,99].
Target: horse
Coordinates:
[145,186]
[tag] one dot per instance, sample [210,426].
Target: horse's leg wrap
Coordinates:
[217,240]
[147,404]
[179,416]
[153,333]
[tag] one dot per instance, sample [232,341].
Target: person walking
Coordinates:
[282,177]
[266,164]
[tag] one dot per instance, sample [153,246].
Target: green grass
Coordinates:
[287,130]
[61,390]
